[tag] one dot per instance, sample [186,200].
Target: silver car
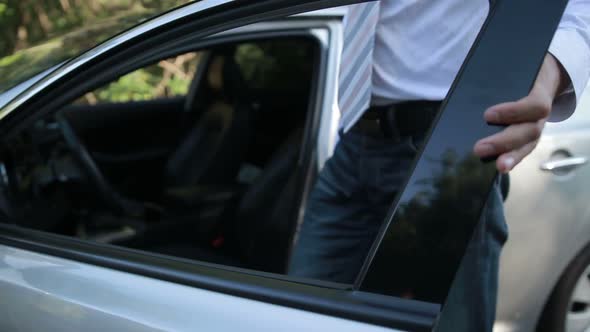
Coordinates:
[545,274]
[156,181]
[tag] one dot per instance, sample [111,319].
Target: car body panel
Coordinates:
[549,220]
[41,292]
[8,95]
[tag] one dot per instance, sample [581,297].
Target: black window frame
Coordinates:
[349,301]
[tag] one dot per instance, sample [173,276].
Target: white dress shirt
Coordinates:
[421,44]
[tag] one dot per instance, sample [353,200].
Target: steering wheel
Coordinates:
[114,199]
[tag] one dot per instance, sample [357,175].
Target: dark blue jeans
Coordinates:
[348,205]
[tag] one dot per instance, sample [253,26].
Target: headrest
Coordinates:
[215,76]
[225,80]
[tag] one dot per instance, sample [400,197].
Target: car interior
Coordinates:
[212,174]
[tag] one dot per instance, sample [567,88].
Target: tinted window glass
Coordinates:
[168,78]
[209,175]
[265,65]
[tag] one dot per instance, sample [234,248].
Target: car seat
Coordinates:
[213,150]
[266,216]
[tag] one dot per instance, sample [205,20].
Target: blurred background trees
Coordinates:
[28,22]
[36,35]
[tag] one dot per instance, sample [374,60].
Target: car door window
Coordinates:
[191,156]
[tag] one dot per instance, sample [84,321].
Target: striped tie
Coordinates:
[356,67]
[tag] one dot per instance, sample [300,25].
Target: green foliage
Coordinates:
[62,29]
[168,78]
[178,86]
[19,65]
[136,86]
[41,19]
[4,10]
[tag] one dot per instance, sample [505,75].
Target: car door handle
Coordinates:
[571,162]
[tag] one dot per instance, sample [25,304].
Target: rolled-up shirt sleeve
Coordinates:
[571,47]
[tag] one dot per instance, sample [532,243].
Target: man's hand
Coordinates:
[525,118]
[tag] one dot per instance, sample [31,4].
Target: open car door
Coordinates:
[57,282]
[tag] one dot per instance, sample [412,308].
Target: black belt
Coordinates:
[398,120]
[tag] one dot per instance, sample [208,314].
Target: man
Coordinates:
[404,55]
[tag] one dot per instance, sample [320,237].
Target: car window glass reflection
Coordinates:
[193,156]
